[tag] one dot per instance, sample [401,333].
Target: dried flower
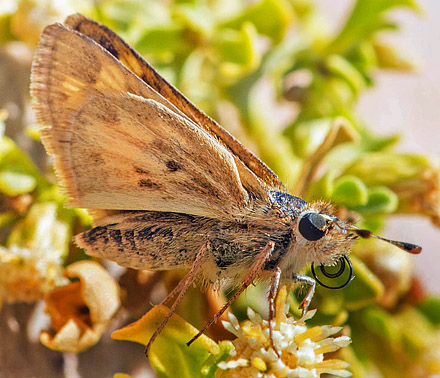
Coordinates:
[81,311]
[301,349]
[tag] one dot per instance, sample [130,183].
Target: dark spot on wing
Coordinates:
[148,183]
[157,144]
[129,238]
[173,165]
[146,233]
[90,78]
[96,158]
[167,233]
[116,236]
[95,234]
[141,171]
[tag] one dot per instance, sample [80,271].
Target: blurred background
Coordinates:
[409,103]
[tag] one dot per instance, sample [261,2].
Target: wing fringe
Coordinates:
[42,89]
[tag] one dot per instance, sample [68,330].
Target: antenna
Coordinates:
[407,247]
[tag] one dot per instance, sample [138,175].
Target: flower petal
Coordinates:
[80,311]
[177,329]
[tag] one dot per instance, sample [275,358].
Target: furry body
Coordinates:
[164,241]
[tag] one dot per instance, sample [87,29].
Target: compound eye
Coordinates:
[312,226]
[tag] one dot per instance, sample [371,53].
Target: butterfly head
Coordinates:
[325,238]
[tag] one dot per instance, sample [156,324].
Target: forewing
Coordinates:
[131,59]
[117,143]
[67,65]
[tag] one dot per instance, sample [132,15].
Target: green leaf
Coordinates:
[342,68]
[237,51]
[376,334]
[351,191]
[430,307]
[417,337]
[192,80]
[381,324]
[272,147]
[343,156]
[340,95]
[18,175]
[373,223]
[307,136]
[365,288]
[364,58]
[211,364]
[336,318]
[165,39]
[270,18]
[388,168]
[365,19]
[357,367]
[169,355]
[196,17]
[14,183]
[413,178]
[391,58]
[322,188]
[381,200]
[254,297]
[373,143]
[122,14]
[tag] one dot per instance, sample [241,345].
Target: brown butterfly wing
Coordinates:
[135,63]
[118,144]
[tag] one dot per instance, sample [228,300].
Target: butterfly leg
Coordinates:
[176,290]
[182,287]
[250,277]
[304,305]
[272,292]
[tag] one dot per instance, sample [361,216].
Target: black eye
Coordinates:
[312,226]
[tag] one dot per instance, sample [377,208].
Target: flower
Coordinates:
[25,276]
[31,264]
[81,311]
[301,349]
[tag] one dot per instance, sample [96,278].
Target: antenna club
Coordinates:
[407,247]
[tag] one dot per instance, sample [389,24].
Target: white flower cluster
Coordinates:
[301,350]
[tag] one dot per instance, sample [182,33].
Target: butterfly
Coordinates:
[166,185]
